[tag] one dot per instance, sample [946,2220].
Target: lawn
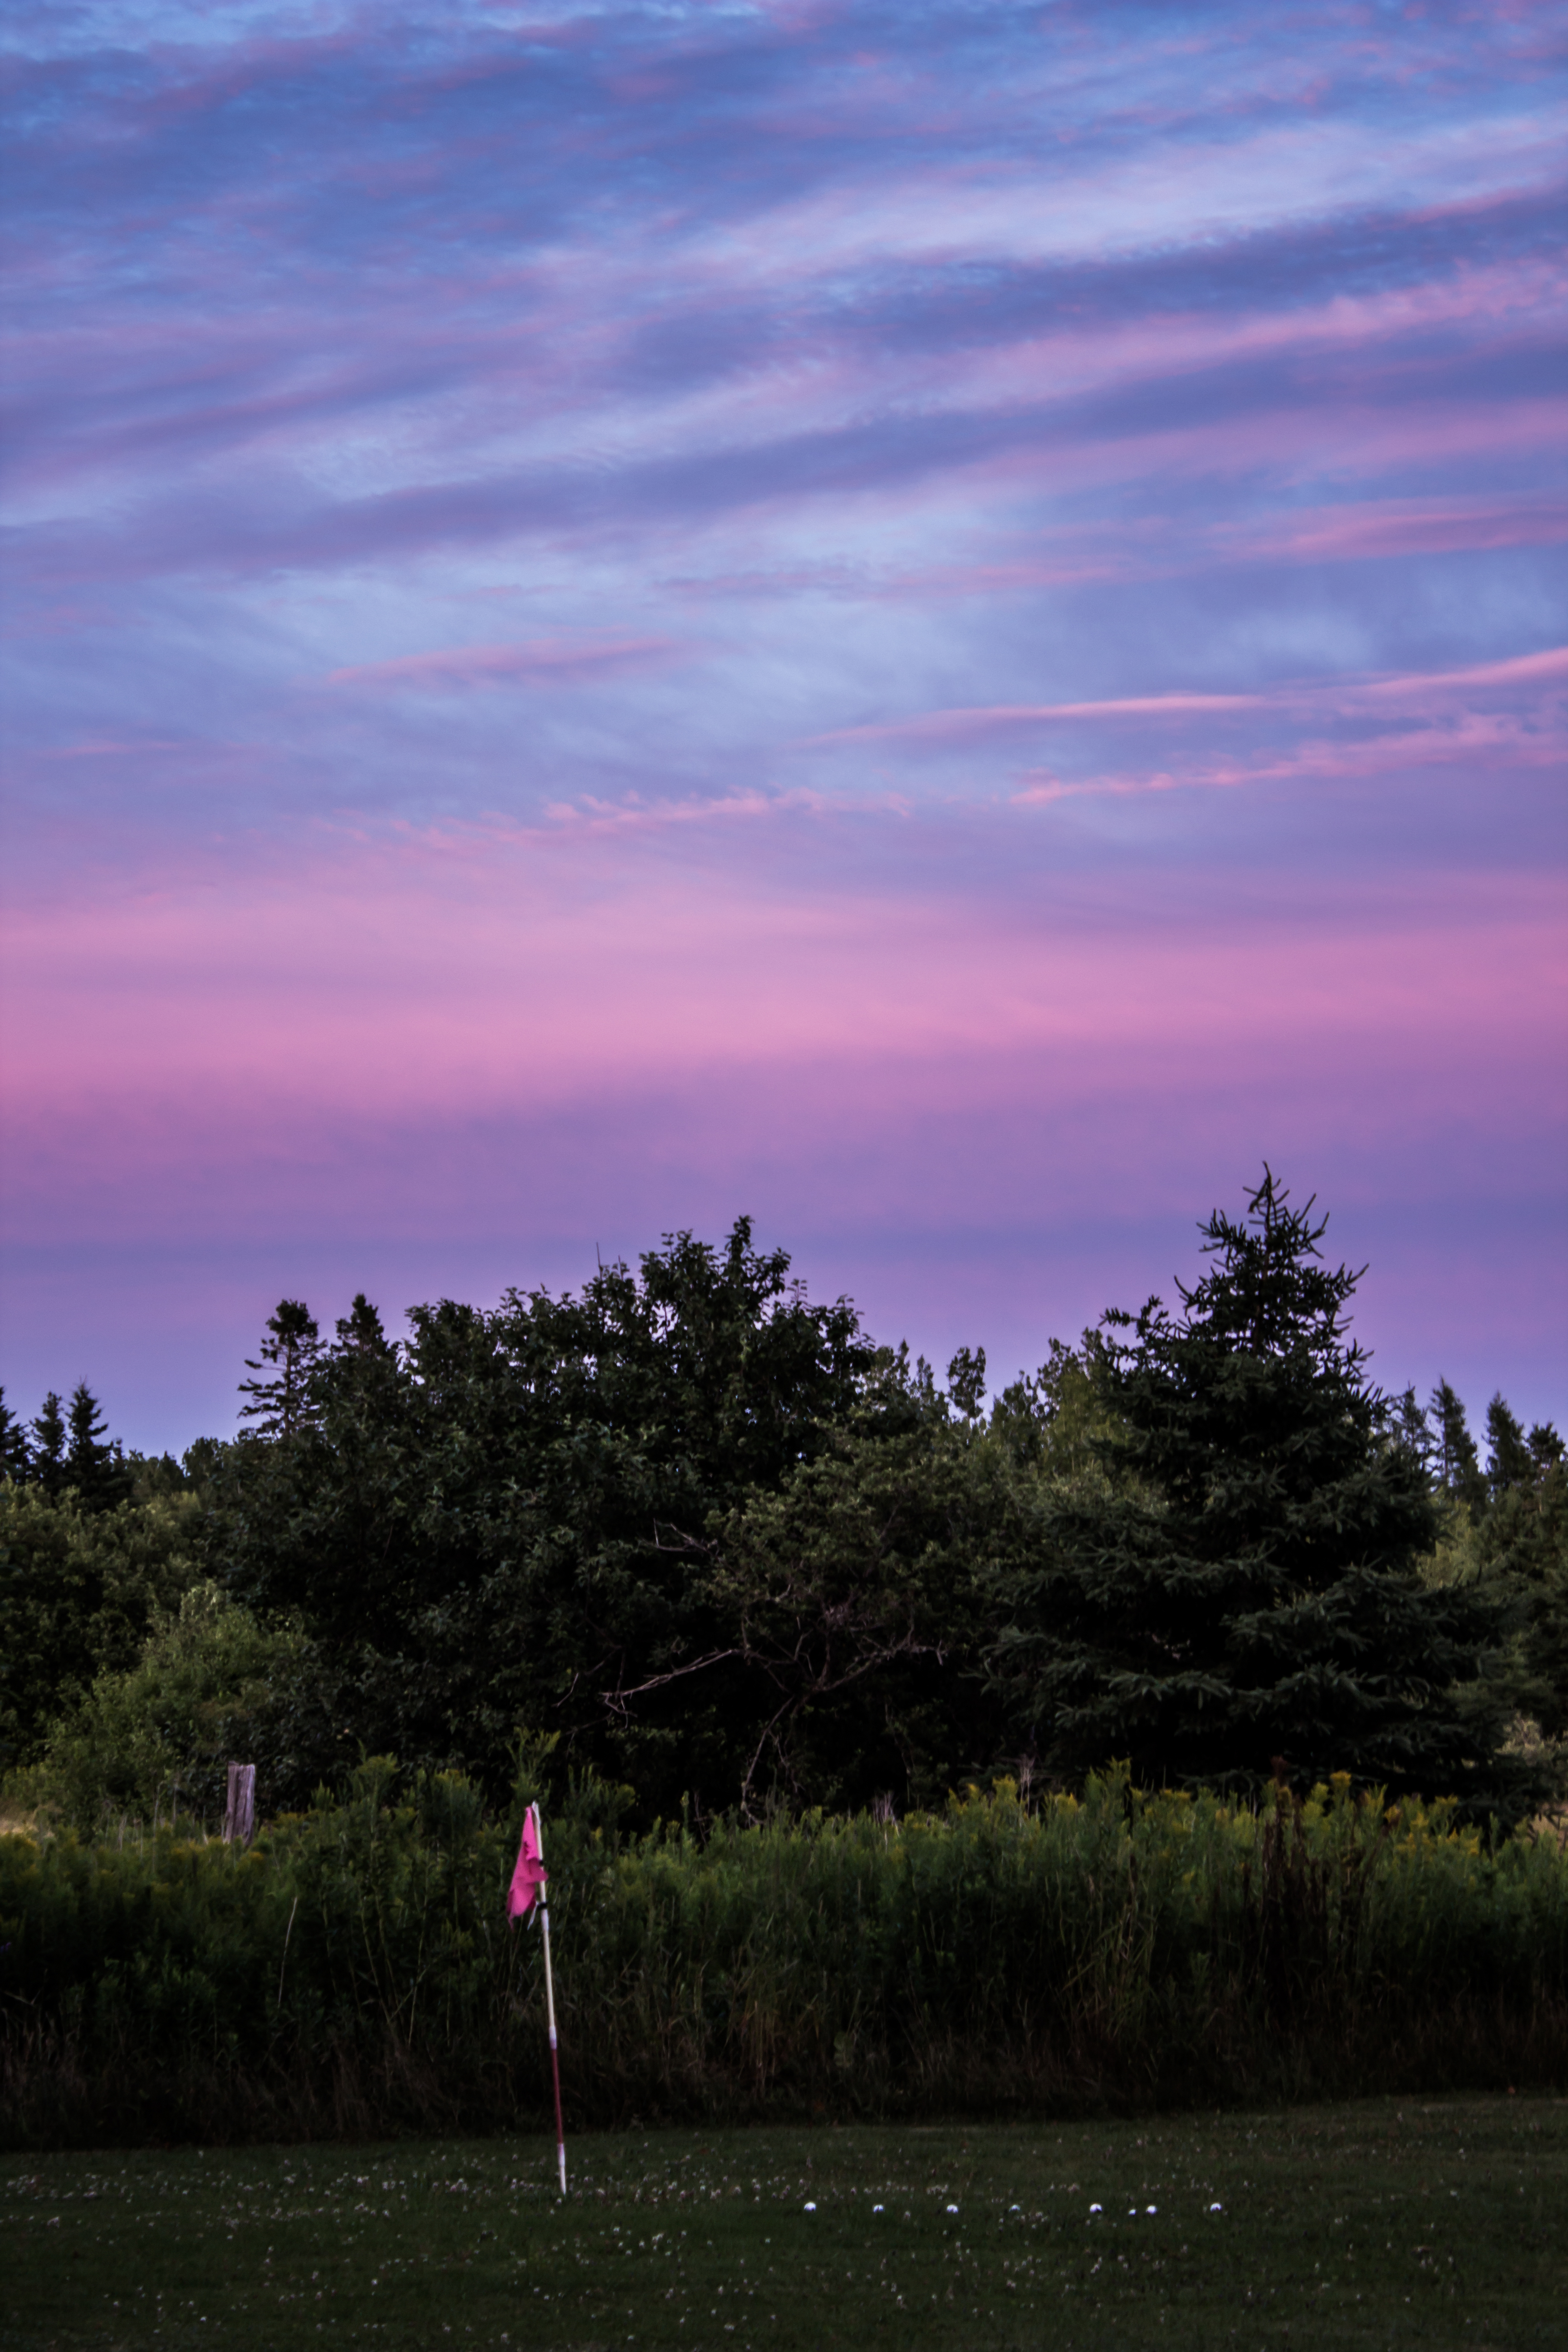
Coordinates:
[1422,2222]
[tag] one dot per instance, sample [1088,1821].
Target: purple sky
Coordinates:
[940,623]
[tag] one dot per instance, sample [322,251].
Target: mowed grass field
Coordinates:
[1424,2222]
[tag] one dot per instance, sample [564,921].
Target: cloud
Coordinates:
[1023,537]
[1517,669]
[541,658]
[962,725]
[1380,529]
[1291,699]
[393,971]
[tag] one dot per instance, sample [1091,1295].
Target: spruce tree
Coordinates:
[48,1447]
[1546,1449]
[1457,1464]
[1236,1592]
[361,1329]
[15,1453]
[1509,1460]
[1409,1427]
[96,1469]
[1523,1556]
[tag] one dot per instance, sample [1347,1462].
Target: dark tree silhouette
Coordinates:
[1238,1584]
[280,1405]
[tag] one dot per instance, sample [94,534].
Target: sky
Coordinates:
[942,625]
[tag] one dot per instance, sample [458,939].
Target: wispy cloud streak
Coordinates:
[594,511]
[541,658]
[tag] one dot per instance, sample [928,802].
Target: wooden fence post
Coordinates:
[239,1820]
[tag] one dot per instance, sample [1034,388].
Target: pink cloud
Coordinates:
[962,725]
[398,979]
[1031,454]
[1518,669]
[1475,736]
[1381,528]
[538,658]
[1352,439]
[1337,694]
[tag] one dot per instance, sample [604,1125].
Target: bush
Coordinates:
[156,1741]
[354,1971]
[79,1589]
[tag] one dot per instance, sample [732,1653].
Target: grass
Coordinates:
[1379,2223]
[353,1975]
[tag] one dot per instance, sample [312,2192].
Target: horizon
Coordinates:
[224,1425]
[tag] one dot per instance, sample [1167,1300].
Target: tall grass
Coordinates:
[354,1971]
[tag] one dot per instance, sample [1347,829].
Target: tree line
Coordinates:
[727,1552]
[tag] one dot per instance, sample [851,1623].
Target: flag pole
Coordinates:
[550,2012]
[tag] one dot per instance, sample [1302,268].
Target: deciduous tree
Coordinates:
[488,1523]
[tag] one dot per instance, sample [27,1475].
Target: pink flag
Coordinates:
[531,1874]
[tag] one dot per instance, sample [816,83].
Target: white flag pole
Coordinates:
[550,2012]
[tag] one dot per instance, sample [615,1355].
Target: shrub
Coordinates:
[354,1971]
[79,1589]
[155,1742]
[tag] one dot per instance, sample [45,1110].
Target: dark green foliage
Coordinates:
[200,1465]
[1523,1555]
[79,1592]
[858,1594]
[68,1448]
[1051,1422]
[280,1405]
[1456,1461]
[356,1963]
[47,1450]
[1546,1448]
[1510,1463]
[1235,1592]
[1408,1426]
[966,1382]
[1509,1536]
[159,1474]
[155,1740]
[16,1455]
[95,1470]
[503,1520]
[736,1556]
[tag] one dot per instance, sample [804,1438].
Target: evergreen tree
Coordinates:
[1408,1426]
[281,1405]
[1235,1590]
[1523,1556]
[1458,1465]
[97,1470]
[49,1448]
[1546,1447]
[1509,1460]
[16,1455]
[361,1329]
